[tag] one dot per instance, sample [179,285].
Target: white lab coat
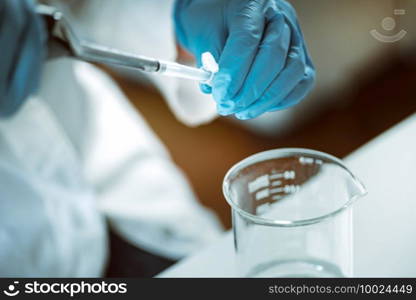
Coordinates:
[75,155]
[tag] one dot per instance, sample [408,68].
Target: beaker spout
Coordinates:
[355,188]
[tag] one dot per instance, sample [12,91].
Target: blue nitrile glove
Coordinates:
[22,38]
[263,61]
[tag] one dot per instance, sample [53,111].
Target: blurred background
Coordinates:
[365,85]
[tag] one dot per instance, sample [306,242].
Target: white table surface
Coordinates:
[384,221]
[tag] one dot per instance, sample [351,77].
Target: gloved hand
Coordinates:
[263,61]
[22,39]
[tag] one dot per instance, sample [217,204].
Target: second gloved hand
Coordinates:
[22,44]
[263,61]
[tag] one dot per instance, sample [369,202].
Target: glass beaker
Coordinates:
[291,213]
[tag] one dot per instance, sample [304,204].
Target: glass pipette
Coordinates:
[62,34]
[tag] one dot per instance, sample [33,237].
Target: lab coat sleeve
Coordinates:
[139,189]
[49,222]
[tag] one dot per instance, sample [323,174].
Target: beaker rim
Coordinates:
[284,152]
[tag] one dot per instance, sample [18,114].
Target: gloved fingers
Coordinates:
[205,88]
[269,62]
[297,39]
[179,7]
[188,15]
[246,28]
[291,17]
[294,97]
[299,92]
[288,10]
[280,88]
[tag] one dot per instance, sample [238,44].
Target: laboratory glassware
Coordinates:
[292,214]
